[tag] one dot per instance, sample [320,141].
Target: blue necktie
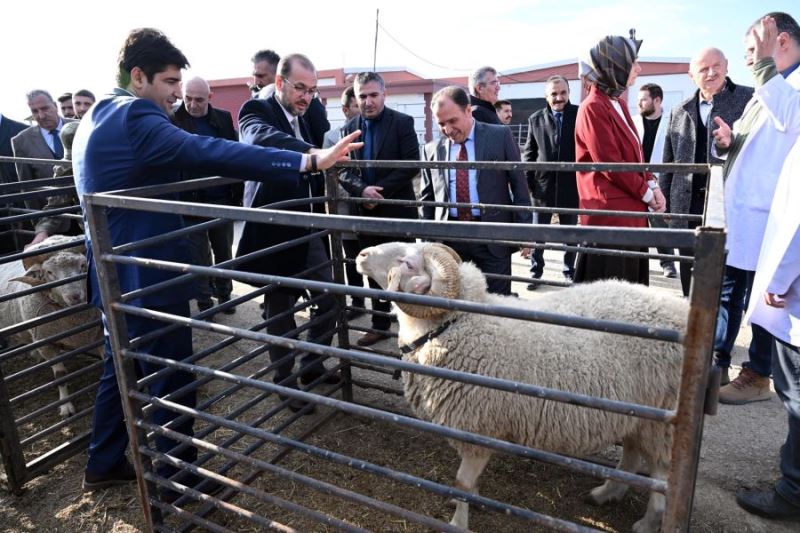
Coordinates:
[58,148]
[369,173]
[558,126]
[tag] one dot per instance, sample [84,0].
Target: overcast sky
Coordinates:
[65,46]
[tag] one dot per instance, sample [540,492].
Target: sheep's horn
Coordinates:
[442,263]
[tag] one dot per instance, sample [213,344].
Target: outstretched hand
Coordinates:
[722,135]
[765,38]
[340,151]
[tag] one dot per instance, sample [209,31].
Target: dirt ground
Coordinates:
[740,449]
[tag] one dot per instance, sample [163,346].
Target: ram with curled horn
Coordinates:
[584,361]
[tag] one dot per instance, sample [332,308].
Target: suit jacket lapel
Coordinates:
[480,149]
[443,154]
[276,107]
[383,131]
[626,125]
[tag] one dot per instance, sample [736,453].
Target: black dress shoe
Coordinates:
[533,286]
[204,305]
[370,338]
[226,299]
[296,405]
[767,503]
[310,377]
[119,475]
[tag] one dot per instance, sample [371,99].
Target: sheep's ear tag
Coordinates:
[29,280]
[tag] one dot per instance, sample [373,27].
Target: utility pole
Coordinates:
[375,50]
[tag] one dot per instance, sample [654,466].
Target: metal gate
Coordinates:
[243,433]
[41,427]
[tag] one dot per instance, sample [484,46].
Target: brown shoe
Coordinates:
[368,339]
[746,388]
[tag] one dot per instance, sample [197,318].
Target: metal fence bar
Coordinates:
[584,467]
[698,345]
[443,490]
[609,326]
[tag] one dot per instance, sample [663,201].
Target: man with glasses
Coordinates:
[280,122]
[484,91]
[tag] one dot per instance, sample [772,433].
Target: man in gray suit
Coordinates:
[41,141]
[466,139]
[689,138]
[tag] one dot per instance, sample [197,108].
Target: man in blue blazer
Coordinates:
[127,140]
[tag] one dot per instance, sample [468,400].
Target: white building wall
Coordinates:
[410,104]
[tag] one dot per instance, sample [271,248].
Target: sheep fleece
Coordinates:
[584,361]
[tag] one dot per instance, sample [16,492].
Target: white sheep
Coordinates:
[595,363]
[37,270]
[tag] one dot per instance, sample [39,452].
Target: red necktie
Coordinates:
[462,186]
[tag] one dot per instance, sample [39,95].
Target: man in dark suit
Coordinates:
[388,136]
[466,139]
[315,117]
[196,115]
[551,137]
[40,141]
[8,173]
[484,91]
[8,129]
[127,140]
[280,122]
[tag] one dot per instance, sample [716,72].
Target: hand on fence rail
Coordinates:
[338,152]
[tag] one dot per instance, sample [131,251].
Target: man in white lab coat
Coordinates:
[775,305]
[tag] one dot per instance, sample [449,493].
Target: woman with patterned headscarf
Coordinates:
[605,133]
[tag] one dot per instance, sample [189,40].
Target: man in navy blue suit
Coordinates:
[127,140]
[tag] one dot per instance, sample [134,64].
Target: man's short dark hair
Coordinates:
[785,24]
[654,90]
[498,105]
[455,93]
[286,64]
[270,56]
[64,97]
[348,95]
[363,78]
[85,93]
[150,50]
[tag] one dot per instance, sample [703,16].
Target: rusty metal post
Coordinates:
[10,448]
[116,324]
[698,345]
[337,255]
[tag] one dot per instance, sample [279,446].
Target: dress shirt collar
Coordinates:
[788,72]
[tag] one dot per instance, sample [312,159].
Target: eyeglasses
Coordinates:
[310,92]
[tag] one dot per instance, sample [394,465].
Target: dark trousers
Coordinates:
[109,436]
[696,207]
[351,250]
[537,257]
[786,368]
[662,224]
[488,263]
[282,300]
[734,298]
[218,240]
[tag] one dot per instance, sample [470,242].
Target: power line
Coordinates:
[407,49]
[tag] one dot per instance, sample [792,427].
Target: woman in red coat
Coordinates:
[605,133]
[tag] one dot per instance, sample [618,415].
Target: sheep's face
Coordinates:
[60,266]
[376,261]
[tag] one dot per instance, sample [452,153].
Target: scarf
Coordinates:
[610,63]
